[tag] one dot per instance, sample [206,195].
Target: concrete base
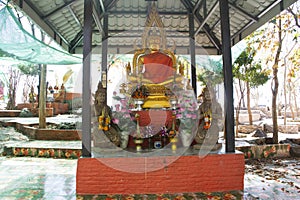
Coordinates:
[33,132]
[165,174]
[216,147]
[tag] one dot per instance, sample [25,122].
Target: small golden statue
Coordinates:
[138,94]
[181,69]
[32,95]
[61,96]
[128,68]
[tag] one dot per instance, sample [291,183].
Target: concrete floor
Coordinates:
[48,178]
[54,179]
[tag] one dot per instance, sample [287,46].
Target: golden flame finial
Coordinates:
[154,29]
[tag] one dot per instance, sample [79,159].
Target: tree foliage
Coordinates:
[295,60]
[29,69]
[213,76]
[249,70]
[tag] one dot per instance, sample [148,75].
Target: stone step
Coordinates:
[265,151]
[10,113]
[292,129]
[46,149]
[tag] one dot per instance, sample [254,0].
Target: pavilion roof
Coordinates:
[63,20]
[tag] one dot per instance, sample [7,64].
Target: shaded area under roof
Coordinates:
[122,22]
[17,43]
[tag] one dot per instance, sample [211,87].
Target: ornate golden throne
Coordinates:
[154,67]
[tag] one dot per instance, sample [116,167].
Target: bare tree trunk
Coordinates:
[284,91]
[290,101]
[237,113]
[295,101]
[13,84]
[275,85]
[9,105]
[256,98]
[279,108]
[42,97]
[274,108]
[289,85]
[26,89]
[249,104]
[243,100]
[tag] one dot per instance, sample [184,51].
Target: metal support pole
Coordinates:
[86,75]
[192,49]
[104,44]
[228,78]
[104,54]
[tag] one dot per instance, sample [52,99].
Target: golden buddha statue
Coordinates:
[154,66]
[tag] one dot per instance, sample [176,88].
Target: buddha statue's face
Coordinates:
[206,95]
[101,97]
[154,42]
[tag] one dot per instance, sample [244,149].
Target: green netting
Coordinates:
[16,42]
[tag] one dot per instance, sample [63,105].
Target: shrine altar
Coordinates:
[155,94]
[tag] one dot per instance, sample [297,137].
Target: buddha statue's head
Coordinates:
[206,94]
[154,42]
[100,95]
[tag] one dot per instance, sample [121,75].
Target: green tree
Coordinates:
[249,73]
[212,75]
[270,40]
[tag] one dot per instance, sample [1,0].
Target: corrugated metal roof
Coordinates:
[63,20]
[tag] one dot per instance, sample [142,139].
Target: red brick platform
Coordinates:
[213,173]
